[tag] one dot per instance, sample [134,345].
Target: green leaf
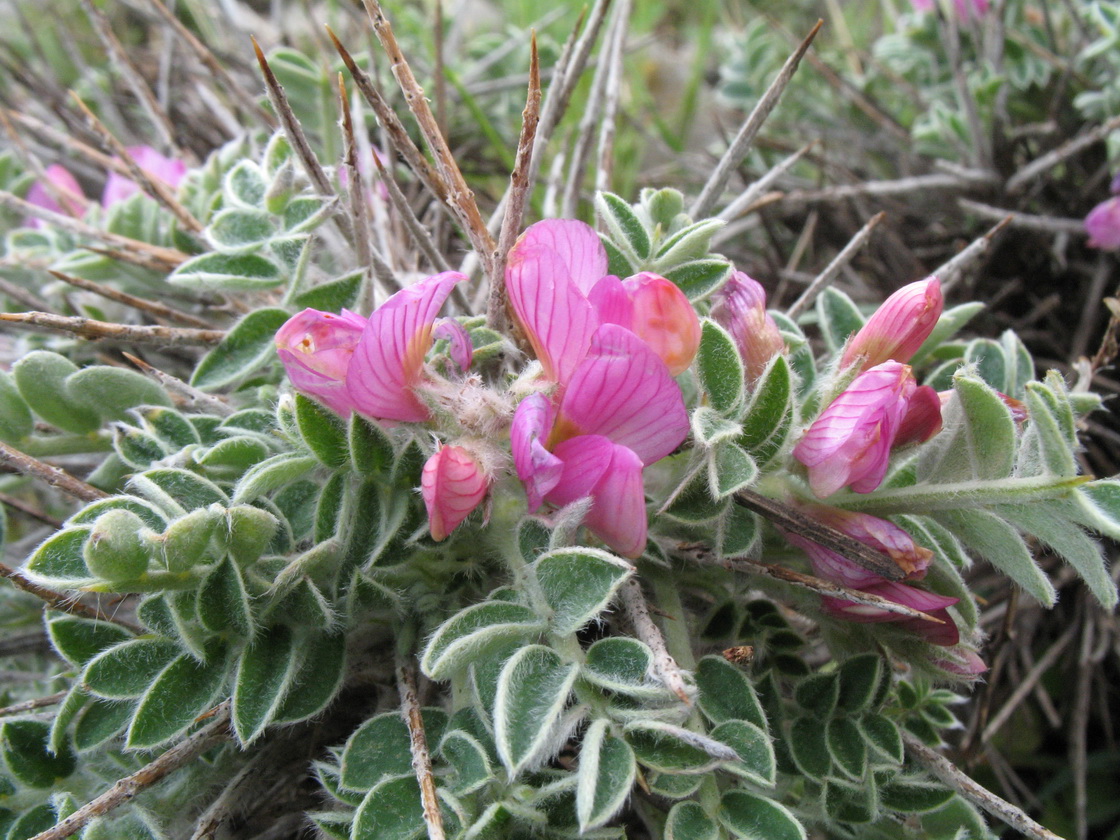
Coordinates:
[316,677]
[687,821]
[245,348]
[33,822]
[699,277]
[622,665]
[626,228]
[726,693]
[839,317]
[474,630]
[110,392]
[605,776]
[851,802]
[1047,432]
[737,532]
[227,273]
[808,745]
[391,810]
[689,243]
[127,670]
[859,681]
[1098,506]
[730,469]
[379,748]
[847,747]
[323,431]
[178,490]
[59,561]
[41,378]
[978,441]
[334,295]
[25,745]
[990,361]
[78,640]
[949,324]
[818,694]
[276,472]
[913,796]
[100,721]
[16,421]
[251,530]
[244,185]
[468,760]
[186,542]
[578,584]
[755,818]
[882,736]
[137,448]
[768,418]
[262,681]
[184,690]
[721,368]
[236,231]
[223,602]
[370,446]
[673,749]
[1001,545]
[756,753]
[532,694]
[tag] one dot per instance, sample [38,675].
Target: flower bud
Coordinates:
[116,550]
[664,319]
[316,348]
[452,484]
[898,327]
[943,632]
[741,309]
[1103,225]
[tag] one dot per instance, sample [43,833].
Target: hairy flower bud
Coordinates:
[898,327]
[1103,225]
[452,484]
[740,308]
[316,349]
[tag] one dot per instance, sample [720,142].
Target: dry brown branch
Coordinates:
[1066,150]
[158,310]
[154,187]
[743,140]
[833,268]
[213,64]
[103,330]
[130,250]
[22,295]
[389,121]
[519,185]
[952,271]
[971,790]
[55,477]
[1028,221]
[30,510]
[459,195]
[418,746]
[34,703]
[751,194]
[126,789]
[188,394]
[413,225]
[59,600]
[132,76]
[61,196]
[359,207]
[612,95]
[634,603]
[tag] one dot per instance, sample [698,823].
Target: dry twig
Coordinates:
[951,272]
[418,746]
[59,600]
[634,602]
[55,477]
[833,268]
[103,330]
[1028,221]
[34,703]
[158,310]
[178,388]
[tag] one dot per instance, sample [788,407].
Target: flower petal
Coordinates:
[623,390]
[922,419]
[664,319]
[389,358]
[65,185]
[538,469]
[585,458]
[316,348]
[550,308]
[897,328]
[452,485]
[462,349]
[576,243]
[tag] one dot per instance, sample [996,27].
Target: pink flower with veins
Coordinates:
[559,290]
[452,484]
[66,187]
[850,443]
[156,166]
[316,348]
[898,327]
[620,412]
[740,308]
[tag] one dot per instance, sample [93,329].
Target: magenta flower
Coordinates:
[880,534]
[559,290]
[620,412]
[388,360]
[740,308]
[964,9]
[65,186]
[1103,225]
[922,419]
[850,443]
[316,349]
[156,166]
[452,484]
[898,327]
[944,633]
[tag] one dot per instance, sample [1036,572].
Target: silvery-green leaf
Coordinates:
[730,469]
[625,227]
[316,673]
[244,185]
[847,747]
[687,244]
[1001,545]
[808,745]
[183,690]
[882,736]
[469,760]
[126,670]
[78,640]
[754,818]
[578,584]
[247,346]
[726,693]
[531,698]
[60,561]
[859,681]
[768,418]
[952,320]
[839,317]
[41,378]
[700,277]
[111,392]
[269,475]
[605,776]
[262,681]
[720,367]
[216,271]
[323,431]
[754,748]
[466,634]
[688,821]
[392,810]
[674,749]
[623,665]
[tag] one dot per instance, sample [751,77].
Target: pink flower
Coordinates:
[156,166]
[620,412]
[922,419]
[559,290]
[964,9]
[66,187]
[898,327]
[740,308]
[963,662]
[880,534]
[316,349]
[1103,225]
[944,632]
[388,360]
[453,485]
[850,443]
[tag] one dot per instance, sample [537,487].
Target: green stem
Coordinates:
[675,629]
[924,498]
[45,446]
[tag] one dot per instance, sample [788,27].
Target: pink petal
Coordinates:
[550,308]
[740,308]
[462,349]
[64,183]
[578,246]
[452,485]
[389,359]
[922,419]
[538,469]
[612,302]
[898,327]
[1102,225]
[316,349]
[945,633]
[585,458]
[622,390]
[168,170]
[664,319]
